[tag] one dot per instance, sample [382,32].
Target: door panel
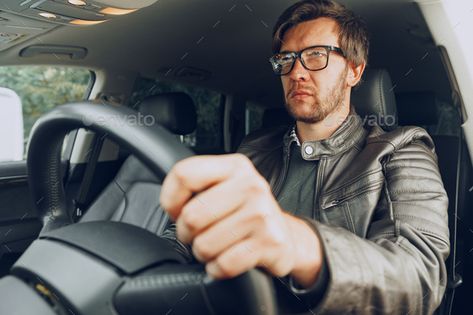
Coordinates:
[19,224]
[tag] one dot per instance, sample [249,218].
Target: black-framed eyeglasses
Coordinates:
[313,58]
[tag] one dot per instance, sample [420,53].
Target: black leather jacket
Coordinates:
[380,212]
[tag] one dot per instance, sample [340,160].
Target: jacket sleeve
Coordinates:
[400,267]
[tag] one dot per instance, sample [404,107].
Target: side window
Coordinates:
[208,136]
[28,92]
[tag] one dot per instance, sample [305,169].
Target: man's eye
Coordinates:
[283,59]
[316,53]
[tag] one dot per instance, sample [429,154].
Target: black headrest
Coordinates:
[276,116]
[374,99]
[417,108]
[175,111]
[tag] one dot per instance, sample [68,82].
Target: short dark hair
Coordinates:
[353,31]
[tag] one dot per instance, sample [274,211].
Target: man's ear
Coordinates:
[355,73]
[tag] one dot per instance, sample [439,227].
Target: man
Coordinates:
[353,218]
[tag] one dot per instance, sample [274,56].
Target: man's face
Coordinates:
[312,95]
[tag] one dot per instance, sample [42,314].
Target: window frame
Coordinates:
[70,140]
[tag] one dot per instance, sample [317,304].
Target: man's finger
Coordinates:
[224,234]
[209,207]
[195,174]
[236,260]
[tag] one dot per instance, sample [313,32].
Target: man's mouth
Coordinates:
[299,94]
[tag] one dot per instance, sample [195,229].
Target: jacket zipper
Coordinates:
[369,188]
[316,207]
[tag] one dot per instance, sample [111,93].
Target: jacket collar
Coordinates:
[349,133]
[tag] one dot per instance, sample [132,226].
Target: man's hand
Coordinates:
[226,210]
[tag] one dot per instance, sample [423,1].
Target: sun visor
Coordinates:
[74,12]
[15,29]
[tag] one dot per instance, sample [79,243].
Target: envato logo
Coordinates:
[367,120]
[137,119]
[379,120]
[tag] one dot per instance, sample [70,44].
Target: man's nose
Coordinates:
[298,72]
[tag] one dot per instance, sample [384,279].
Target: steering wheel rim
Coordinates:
[153,145]
[159,150]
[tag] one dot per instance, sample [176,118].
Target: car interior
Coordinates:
[197,76]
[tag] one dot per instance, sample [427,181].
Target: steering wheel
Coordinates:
[108,267]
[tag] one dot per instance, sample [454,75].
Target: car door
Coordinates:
[39,89]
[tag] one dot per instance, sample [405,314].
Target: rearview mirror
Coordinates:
[11,126]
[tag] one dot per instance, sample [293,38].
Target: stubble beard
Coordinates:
[321,107]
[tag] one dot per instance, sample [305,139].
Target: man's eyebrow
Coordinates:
[285,51]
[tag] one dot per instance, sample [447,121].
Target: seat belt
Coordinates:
[82,201]
[456,279]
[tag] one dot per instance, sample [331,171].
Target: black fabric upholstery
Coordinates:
[175,111]
[417,108]
[374,98]
[133,195]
